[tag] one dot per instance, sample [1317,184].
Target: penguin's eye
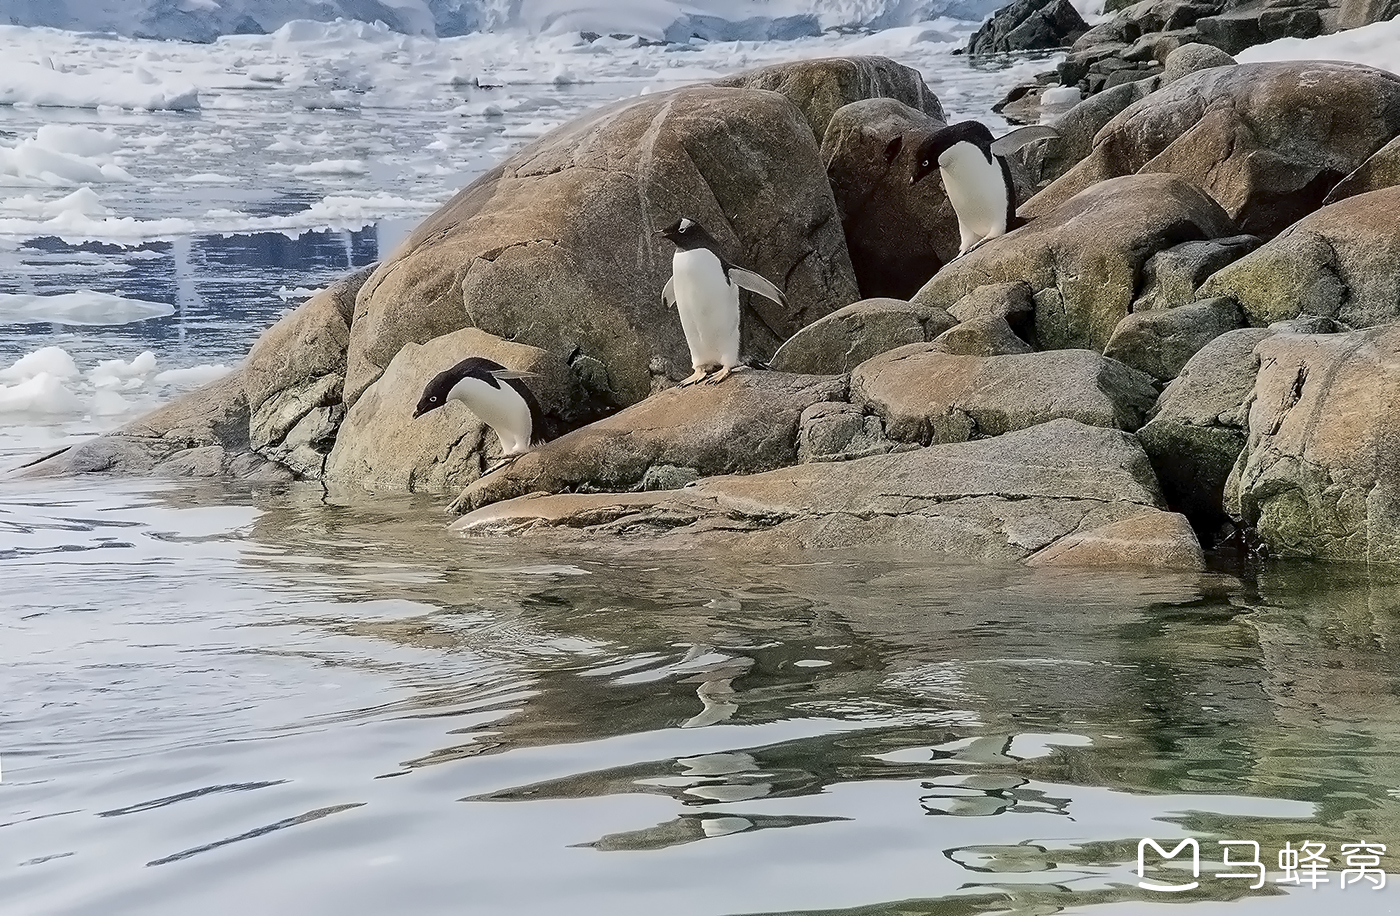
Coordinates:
[433,399]
[925,163]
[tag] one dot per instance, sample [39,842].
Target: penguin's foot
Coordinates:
[505,462]
[724,373]
[697,376]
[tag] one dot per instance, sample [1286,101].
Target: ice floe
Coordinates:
[83,307]
[62,155]
[35,84]
[49,382]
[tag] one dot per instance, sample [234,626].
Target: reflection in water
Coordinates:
[262,694]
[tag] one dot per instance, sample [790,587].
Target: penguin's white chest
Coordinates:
[977,190]
[709,308]
[502,409]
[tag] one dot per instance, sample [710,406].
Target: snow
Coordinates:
[83,307]
[49,382]
[34,84]
[1376,45]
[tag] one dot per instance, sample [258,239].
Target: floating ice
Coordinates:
[42,393]
[32,84]
[51,361]
[336,211]
[193,376]
[332,167]
[49,382]
[83,307]
[118,373]
[62,156]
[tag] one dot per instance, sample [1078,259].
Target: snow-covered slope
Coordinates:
[205,20]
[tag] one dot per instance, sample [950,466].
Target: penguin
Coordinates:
[976,176]
[704,288]
[497,397]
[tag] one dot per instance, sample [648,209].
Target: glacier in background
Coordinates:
[671,20]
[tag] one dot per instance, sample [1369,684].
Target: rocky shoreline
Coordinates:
[1194,340]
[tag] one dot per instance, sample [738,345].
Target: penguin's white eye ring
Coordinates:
[433,399]
[925,163]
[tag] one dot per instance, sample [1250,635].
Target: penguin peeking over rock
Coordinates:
[704,287]
[497,396]
[976,176]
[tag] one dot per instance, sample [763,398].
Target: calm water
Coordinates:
[223,700]
[281,702]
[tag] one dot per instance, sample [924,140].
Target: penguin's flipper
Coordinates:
[668,293]
[747,279]
[504,374]
[1022,136]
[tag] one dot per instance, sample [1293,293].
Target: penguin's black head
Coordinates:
[435,394]
[437,390]
[939,142]
[687,234]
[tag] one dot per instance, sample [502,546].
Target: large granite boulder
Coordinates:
[1084,261]
[1029,25]
[747,424]
[836,344]
[380,446]
[1320,476]
[203,434]
[1353,14]
[1171,277]
[1263,139]
[1004,499]
[1382,170]
[1192,57]
[898,233]
[1342,261]
[1200,424]
[557,247]
[1160,343]
[1151,539]
[819,88]
[1253,22]
[294,378]
[925,395]
[1081,124]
